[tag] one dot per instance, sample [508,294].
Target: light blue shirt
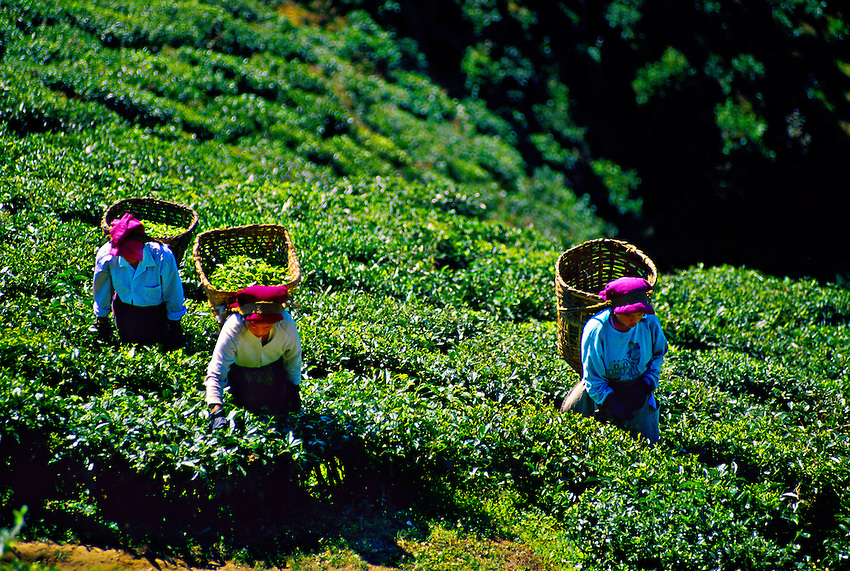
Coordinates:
[154,281]
[611,355]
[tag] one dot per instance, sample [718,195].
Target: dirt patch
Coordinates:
[90,557]
[86,557]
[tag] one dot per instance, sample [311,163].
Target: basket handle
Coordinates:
[622,300]
[598,306]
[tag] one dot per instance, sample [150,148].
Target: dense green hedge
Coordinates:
[253,79]
[429,341]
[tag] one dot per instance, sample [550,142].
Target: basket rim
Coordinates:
[589,244]
[196,255]
[241,229]
[104,224]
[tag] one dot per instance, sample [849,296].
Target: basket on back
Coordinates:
[181,219]
[268,242]
[580,274]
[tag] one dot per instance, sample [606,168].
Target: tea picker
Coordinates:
[622,349]
[257,356]
[609,334]
[137,280]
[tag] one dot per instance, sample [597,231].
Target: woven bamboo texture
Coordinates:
[270,242]
[160,212]
[580,274]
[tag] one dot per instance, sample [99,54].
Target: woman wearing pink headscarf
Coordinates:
[136,279]
[258,356]
[622,349]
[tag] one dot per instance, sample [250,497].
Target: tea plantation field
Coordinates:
[429,434]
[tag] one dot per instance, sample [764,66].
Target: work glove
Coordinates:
[624,402]
[102,328]
[643,386]
[173,336]
[295,398]
[218,420]
[649,393]
[618,405]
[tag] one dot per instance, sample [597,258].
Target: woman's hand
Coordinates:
[217,419]
[102,328]
[618,406]
[624,402]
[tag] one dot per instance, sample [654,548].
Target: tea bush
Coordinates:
[799,323]
[172,89]
[7,544]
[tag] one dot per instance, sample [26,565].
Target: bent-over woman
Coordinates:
[257,355]
[622,349]
[136,278]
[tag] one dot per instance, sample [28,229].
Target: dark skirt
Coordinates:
[141,325]
[262,389]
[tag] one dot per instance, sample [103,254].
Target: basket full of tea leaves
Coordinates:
[241,271]
[230,259]
[168,222]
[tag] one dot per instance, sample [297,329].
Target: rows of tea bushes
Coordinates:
[432,381]
[325,102]
[427,320]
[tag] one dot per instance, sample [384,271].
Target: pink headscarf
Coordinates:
[120,235]
[628,295]
[262,304]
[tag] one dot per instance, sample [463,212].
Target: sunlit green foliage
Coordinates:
[660,76]
[740,126]
[408,357]
[619,184]
[311,95]
[624,15]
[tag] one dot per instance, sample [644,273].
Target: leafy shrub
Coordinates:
[740,126]
[799,323]
[7,542]
[659,76]
[619,184]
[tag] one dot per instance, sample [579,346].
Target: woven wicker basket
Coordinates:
[160,212]
[270,242]
[580,273]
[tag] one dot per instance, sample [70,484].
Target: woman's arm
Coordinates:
[172,286]
[291,348]
[224,355]
[659,349]
[593,364]
[102,285]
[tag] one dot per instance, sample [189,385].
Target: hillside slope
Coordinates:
[287,94]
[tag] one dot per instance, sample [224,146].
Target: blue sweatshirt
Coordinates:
[611,355]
